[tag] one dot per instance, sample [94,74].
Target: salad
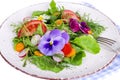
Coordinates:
[56,38]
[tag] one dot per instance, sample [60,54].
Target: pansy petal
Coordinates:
[66,36]
[46,36]
[84,28]
[41,45]
[58,44]
[74,25]
[54,33]
[45,48]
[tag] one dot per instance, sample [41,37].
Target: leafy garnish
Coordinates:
[53,8]
[37,13]
[77,59]
[46,63]
[96,28]
[88,43]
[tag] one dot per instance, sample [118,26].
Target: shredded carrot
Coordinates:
[72,53]
[19,46]
[37,53]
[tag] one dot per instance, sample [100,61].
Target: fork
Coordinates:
[115,45]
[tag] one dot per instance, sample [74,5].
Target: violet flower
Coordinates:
[74,25]
[53,42]
[84,28]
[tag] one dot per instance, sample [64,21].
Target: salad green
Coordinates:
[57,38]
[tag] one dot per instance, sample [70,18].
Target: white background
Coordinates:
[7,7]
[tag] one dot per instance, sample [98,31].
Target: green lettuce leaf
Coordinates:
[46,63]
[88,43]
[77,59]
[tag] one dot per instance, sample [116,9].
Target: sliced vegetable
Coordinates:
[58,57]
[35,39]
[30,28]
[67,14]
[23,53]
[19,46]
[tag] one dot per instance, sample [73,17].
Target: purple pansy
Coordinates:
[53,41]
[75,26]
[84,28]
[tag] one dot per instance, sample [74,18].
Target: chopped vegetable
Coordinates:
[23,53]
[31,27]
[35,39]
[67,14]
[58,57]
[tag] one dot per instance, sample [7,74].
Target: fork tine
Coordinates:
[115,45]
[105,40]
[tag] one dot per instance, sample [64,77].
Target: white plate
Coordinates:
[91,63]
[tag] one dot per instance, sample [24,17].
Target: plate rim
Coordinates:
[81,76]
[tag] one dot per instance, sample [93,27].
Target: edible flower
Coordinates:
[74,25]
[43,17]
[53,41]
[84,28]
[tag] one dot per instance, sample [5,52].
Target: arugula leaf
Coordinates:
[53,7]
[27,42]
[37,13]
[46,63]
[88,43]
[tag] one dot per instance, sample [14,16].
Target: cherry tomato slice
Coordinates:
[30,27]
[67,14]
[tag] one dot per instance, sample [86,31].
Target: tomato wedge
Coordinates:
[67,14]
[30,28]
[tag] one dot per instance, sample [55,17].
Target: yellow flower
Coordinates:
[40,17]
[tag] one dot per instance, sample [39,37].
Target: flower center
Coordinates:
[51,42]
